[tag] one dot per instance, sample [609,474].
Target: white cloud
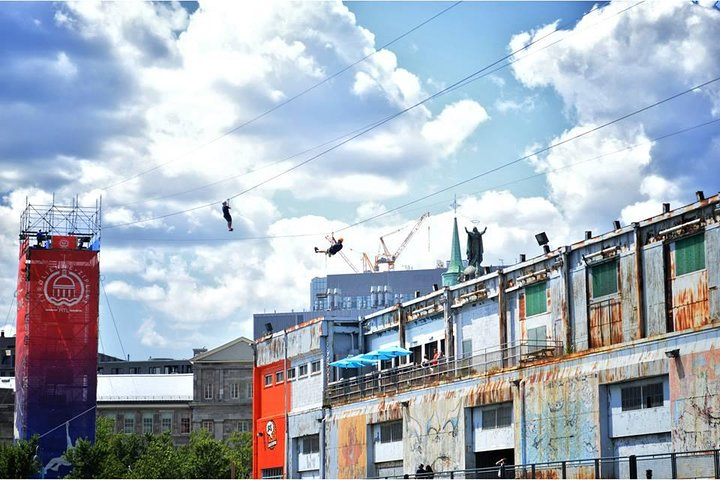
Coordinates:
[454,124]
[149,335]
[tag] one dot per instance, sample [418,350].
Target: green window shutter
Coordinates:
[535,299]
[689,254]
[604,279]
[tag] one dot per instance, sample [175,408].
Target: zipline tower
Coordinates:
[57,329]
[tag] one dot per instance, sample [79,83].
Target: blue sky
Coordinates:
[144,104]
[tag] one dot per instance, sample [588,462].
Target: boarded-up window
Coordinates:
[689,254]
[604,279]
[536,338]
[535,299]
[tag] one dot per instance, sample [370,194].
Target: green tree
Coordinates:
[161,459]
[239,453]
[206,456]
[19,460]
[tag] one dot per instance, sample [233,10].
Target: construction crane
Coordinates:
[390,258]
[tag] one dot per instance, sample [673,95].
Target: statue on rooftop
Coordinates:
[475,247]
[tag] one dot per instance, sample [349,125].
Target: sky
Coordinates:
[356,118]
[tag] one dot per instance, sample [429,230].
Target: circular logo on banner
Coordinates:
[64,287]
[64,243]
[271,434]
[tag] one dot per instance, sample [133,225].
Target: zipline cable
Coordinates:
[428,206]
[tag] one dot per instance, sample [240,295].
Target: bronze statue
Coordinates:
[475,247]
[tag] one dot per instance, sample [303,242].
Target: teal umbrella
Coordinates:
[395,352]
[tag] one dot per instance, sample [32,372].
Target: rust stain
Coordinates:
[606,323]
[386,411]
[487,393]
[691,308]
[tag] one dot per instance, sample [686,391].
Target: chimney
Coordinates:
[700,195]
[616,224]
[522,257]
[666,208]
[588,234]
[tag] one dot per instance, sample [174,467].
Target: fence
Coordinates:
[413,375]
[699,464]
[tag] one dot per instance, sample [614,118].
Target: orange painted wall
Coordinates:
[269,407]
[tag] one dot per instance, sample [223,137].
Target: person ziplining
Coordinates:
[335,247]
[226,214]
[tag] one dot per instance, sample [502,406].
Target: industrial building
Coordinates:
[594,360]
[352,295]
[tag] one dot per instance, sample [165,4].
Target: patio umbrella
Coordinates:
[374,355]
[395,352]
[349,362]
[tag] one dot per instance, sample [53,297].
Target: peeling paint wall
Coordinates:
[434,429]
[695,400]
[628,298]
[712,259]
[560,416]
[350,449]
[579,310]
[654,277]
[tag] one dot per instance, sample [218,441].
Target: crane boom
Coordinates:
[391,258]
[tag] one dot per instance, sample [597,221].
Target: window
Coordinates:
[208,391]
[315,367]
[185,425]
[114,371]
[279,377]
[248,390]
[129,426]
[391,432]
[208,425]
[536,338]
[166,422]
[689,254]
[268,380]
[243,426]
[310,444]
[291,374]
[302,370]
[535,299]
[135,370]
[467,348]
[604,278]
[147,424]
[498,417]
[234,391]
[636,397]
[271,473]
[155,370]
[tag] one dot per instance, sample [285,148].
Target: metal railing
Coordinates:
[414,375]
[697,464]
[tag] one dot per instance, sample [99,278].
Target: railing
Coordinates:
[411,376]
[698,464]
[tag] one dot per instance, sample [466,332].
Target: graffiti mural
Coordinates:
[352,447]
[694,403]
[560,418]
[435,432]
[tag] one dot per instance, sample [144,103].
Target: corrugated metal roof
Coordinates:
[143,388]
